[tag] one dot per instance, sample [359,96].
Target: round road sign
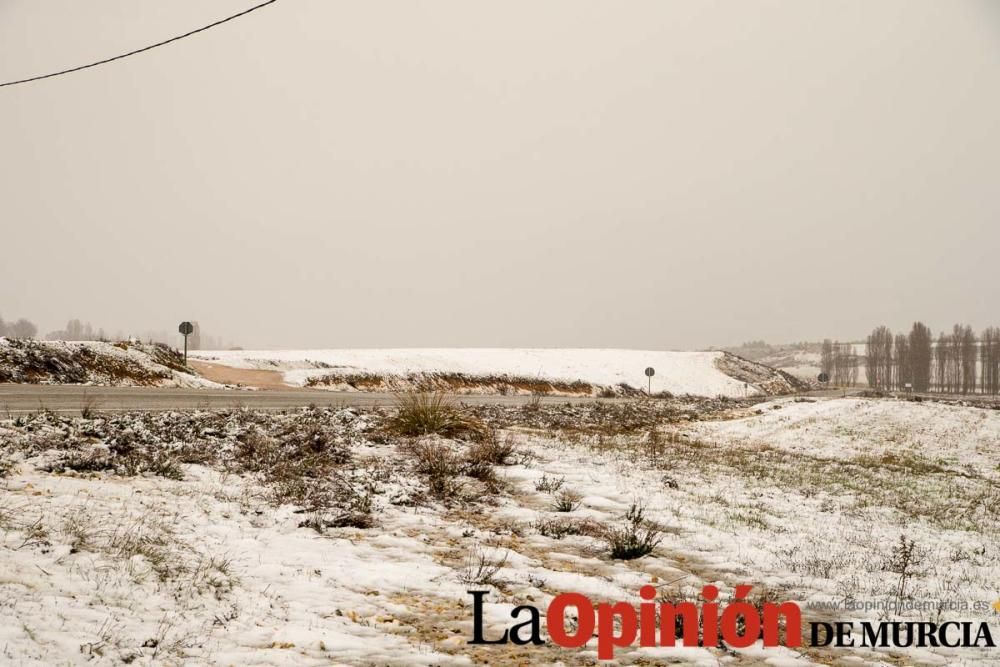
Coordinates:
[650,372]
[823,377]
[186,328]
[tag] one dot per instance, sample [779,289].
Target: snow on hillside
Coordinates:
[693,373]
[850,427]
[27,361]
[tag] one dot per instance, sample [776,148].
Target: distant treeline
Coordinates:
[958,362]
[22,328]
[77,330]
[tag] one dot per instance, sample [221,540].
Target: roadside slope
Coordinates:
[569,372]
[94,362]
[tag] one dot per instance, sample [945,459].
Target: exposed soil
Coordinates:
[244,377]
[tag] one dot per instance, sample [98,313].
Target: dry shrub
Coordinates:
[481,569]
[432,413]
[549,484]
[491,449]
[299,465]
[441,466]
[319,523]
[567,500]
[6,466]
[635,538]
[121,458]
[561,527]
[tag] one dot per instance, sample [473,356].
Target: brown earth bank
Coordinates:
[27,361]
[243,377]
[460,383]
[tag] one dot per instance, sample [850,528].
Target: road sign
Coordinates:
[649,374]
[824,378]
[186,328]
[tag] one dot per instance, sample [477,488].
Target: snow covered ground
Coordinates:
[183,538]
[676,372]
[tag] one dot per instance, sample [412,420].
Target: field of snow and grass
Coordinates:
[559,371]
[94,362]
[339,537]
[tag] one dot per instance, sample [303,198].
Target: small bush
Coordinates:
[548,484]
[560,528]
[480,569]
[635,538]
[441,466]
[905,560]
[432,413]
[346,520]
[567,500]
[89,406]
[125,461]
[492,450]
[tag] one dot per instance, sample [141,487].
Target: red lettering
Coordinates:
[555,620]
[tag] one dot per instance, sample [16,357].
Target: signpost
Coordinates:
[649,374]
[186,328]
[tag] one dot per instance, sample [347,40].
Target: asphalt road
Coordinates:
[21,398]
[25,398]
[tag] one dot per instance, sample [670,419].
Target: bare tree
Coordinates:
[920,344]
[942,362]
[845,364]
[965,352]
[836,364]
[879,362]
[989,354]
[902,369]
[852,366]
[826,358]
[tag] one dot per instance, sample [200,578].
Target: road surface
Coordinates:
[25,398]
[22,398]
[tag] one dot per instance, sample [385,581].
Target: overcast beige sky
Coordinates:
[574,173]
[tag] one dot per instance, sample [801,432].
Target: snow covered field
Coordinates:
[204,538]
[677,372]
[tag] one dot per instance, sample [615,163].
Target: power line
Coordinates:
[143,49]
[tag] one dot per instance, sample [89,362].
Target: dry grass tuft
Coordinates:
[481,569]
[635,538]
[432,413]
[567,500]
[442,467]
[491,449]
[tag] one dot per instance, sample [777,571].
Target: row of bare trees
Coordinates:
[958,362]
[840,363]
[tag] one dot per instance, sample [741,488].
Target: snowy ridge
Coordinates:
[94,362]
[695,373]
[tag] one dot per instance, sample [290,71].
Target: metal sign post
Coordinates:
[649,374]
[186,328]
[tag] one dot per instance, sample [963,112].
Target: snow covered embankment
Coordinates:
[94,362]
[567,372]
